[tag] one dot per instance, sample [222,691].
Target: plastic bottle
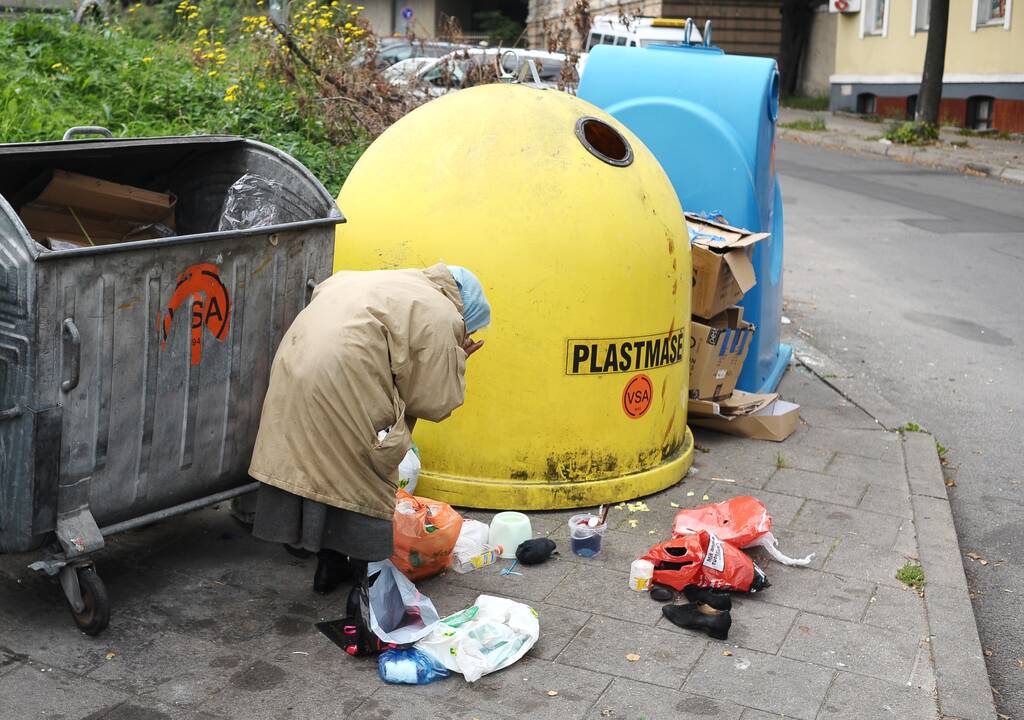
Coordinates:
[470,560]
[641,573]
[409,666]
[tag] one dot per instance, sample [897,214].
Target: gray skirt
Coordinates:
[287,518]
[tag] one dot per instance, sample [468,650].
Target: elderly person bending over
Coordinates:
[371,353]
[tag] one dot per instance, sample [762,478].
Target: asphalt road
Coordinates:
[914,276]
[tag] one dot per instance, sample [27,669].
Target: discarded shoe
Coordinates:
[332,569]
[535,551]
[662,593]
[693,617]
[706,596]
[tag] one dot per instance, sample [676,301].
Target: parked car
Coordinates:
[393,52]
[640,32]
[478,66]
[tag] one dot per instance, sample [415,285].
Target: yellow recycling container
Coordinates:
[579,394]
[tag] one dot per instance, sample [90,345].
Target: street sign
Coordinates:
[407,13]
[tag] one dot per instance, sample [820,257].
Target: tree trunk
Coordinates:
[928,97]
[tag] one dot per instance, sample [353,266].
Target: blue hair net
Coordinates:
[476,311]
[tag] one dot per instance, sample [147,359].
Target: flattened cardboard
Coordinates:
[749,415]
[109,200]
[67,225]
[717,351]
[722,268]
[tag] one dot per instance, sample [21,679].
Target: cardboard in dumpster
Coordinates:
[759,416]
[718,349]
[722,269]
[61,228]
[107,200]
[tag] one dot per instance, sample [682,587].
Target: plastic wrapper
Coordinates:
[742,521]
[425,532]
[409,666]
[399,613]
[702,559]
[252,202]
[490,635]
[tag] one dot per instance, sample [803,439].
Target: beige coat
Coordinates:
[370,349]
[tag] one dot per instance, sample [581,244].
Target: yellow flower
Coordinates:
[147,59]
[261,85]
[202,32]
[212,73]
[131,10]
[57,66]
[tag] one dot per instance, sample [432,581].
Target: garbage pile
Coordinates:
[720,337]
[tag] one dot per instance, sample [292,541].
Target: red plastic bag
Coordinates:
[702,559]
[425,532]
[742,521]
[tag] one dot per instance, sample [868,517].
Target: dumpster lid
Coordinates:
[109,143]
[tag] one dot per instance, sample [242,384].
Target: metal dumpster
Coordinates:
[132,375]
[709,118]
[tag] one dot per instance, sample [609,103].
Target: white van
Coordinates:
[640,32]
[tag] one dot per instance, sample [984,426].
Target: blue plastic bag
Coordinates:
[409,666]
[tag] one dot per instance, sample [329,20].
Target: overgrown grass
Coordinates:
[806,102]
[57,75]
[912,133]
[815,125]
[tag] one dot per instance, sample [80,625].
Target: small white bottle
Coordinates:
[641,573]
[470,560]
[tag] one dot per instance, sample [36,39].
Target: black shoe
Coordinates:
[704,596]
[299,552]
[332,569]
[662,593]
[692,618]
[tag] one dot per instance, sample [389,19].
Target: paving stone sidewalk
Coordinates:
[210,624]
[975,154]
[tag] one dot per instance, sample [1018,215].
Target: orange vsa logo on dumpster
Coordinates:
[200,286]
[622,355]
[636,398]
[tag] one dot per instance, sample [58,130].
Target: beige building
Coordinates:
[424,18]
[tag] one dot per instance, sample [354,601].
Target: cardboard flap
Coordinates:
[703,408]
[720,236]
[744,403]
[742,269]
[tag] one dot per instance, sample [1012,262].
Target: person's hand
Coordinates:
[470,346]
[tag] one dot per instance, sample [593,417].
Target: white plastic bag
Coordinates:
[409,471]
[472,537]
[489,636]
[399,613]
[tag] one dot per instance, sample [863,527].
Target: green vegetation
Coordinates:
[805,102]
[501,29]
[815,125]
[912,133]
[780,462]
[909,427]
[911,575]
[57,75]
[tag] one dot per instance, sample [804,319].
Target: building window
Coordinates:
[911,107]
[920,19]
[991,13]
[979,112]
[866,104]
[876,17]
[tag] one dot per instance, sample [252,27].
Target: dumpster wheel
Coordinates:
[95,616]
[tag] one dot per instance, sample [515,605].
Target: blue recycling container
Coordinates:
[709,118]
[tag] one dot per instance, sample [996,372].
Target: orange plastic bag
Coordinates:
[742,521]
[425,532]
[702,559]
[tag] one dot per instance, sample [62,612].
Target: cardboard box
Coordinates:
[107,200]
[722,269]
[69,225]
[718,348]
[749,415]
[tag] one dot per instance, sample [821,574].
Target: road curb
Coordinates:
[902,153]
[962,686]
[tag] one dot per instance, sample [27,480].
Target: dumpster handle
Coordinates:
[707,33]
[71,334]
[87,130]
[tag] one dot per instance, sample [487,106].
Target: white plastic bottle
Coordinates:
[469,560]
[641,572]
